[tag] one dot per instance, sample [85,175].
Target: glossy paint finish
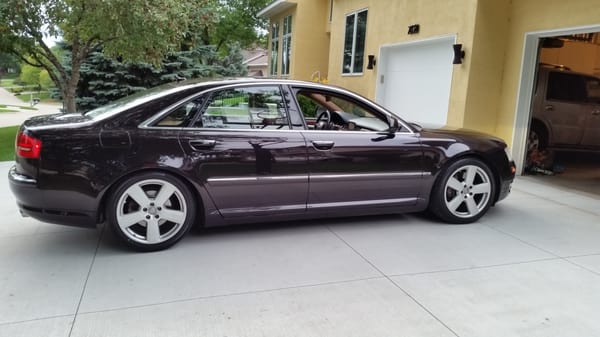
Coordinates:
[243,175]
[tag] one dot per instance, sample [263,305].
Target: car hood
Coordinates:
[458,134]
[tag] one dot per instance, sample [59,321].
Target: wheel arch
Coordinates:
[469,155]
[115,184]
[544,127]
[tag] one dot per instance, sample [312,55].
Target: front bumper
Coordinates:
[31,202]
[506,182]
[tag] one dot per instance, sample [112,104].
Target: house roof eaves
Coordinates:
[275,8]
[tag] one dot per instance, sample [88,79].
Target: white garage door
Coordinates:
[414,80]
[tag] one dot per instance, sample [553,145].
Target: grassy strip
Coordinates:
[7,142]
[42,96]
[7,82]
[8,110]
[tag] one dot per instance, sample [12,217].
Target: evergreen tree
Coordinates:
[105,79]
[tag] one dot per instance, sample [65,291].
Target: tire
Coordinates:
[464,192]
[538,139]
[151,211]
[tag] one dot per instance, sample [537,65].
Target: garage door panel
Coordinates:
[415,80]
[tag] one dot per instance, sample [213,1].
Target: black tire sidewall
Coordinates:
[112,204]
[437,203]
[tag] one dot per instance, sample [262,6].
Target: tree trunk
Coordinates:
[69,103]
[70,90]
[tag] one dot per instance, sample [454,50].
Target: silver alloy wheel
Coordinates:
[151,211]
[467,191]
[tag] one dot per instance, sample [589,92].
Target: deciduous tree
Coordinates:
[133,30]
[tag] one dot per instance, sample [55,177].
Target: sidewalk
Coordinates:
[20,114]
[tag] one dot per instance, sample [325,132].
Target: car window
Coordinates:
[592,86]
[257,107]
[330,111]
[182,115]
[566,87]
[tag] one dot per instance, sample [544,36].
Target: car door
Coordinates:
[591,133]
[241,148]
[564,107]
[356,162]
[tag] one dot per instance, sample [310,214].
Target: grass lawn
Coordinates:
[7,142]
[7,82]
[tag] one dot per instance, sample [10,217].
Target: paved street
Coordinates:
[16,118]
[531,267]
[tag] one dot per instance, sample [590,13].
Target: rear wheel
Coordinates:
[538,138]
[464,192]
[151,211]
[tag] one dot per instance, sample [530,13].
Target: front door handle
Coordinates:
[596,112]
[549,107]
[323,144]
[202,144]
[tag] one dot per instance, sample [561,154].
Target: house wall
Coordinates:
[484,88]
[310,45]
[387,24]
[530,16]
[486,54]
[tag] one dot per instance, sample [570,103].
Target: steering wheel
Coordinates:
[323,121]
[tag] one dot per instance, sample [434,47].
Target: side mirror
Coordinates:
[394,127]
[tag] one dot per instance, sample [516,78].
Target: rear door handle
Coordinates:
[549,107]
[596,112]
[323,144]
[202,144]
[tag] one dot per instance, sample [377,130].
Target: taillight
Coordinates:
[27,146]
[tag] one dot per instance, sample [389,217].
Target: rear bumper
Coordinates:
[31,202]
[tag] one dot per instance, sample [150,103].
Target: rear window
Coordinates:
[131,101]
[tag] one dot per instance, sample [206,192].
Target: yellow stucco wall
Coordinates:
[530,16]
[310,41]
[387,23]
[486,56]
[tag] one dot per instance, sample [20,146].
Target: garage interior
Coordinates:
[571,169]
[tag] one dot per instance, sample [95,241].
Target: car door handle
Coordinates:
[549,107]
[323,144]
[596,112]
[202,144]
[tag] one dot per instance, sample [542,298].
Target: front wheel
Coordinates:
[151,211]
[464,192]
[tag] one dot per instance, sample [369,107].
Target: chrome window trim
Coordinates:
[374,133]
[279,82]
[146,124]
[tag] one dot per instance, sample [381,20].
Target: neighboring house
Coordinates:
[256,60]
[410,44]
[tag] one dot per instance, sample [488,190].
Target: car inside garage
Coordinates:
[563,145]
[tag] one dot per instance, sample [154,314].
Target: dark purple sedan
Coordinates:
[154,164]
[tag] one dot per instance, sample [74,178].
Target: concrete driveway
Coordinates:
[531,267]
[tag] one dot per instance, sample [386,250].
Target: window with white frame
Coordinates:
[274,48]
[354,42]
[287,45]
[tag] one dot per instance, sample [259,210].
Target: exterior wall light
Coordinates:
[459,54]
[414,29]
[372,62]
